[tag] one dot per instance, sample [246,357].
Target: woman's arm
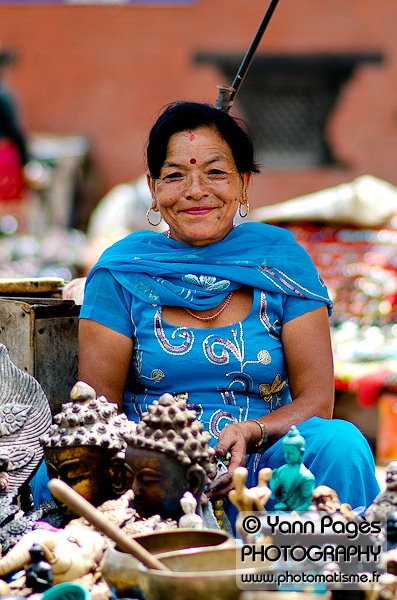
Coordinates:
[104,360]
[308,356]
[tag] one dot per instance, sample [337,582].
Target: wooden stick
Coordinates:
[62,491]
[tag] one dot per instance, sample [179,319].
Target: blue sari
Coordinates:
[155,271]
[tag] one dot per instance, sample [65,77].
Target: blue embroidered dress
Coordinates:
[230,373]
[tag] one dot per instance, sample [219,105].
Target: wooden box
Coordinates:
[41,337]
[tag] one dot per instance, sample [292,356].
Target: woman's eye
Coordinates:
[216,173]
[172,176]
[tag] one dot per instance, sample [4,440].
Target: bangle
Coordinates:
[264,436]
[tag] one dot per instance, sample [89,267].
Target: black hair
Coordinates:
[181,116]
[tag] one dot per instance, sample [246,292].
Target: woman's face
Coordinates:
[199,188]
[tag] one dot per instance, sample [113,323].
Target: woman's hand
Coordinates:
[234,439]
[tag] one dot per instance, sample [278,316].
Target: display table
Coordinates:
[359,267]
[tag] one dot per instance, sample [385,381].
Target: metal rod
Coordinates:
[227,94]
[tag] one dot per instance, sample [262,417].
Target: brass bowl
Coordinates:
[285,596]
[178,539]
[120,569]
[195,574]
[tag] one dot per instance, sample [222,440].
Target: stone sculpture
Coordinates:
[25,415]
[190,518]
[292,484]
[326,500]
[167,455]
[386,501]
[71,552]
[250,499]
[85,446]
[39,576]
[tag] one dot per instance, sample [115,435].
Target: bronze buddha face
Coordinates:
[167,455]
[85,448]
[158,482]
[78,467]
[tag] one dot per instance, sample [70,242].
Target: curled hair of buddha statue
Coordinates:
[88,421]
[169,427]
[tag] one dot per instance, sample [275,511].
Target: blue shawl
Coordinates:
[160,270]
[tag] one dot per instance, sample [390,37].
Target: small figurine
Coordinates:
[85,435]
[39,576]
[250,499]
[190,519]
[167,455]
[386,501]
[72,552]
[292,484]
[262,491]
[326,500]
[391,530]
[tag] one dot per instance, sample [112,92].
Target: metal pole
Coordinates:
[227,94]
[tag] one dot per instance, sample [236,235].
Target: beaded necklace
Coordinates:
[222,307]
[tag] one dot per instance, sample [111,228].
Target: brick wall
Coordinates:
[103,71]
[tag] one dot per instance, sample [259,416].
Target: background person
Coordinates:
[234,318]
[13,144]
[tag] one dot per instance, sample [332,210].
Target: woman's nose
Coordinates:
[196,187]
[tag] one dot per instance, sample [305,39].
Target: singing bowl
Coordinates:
[178,539]
[195,574]
[264,595]
[120,569]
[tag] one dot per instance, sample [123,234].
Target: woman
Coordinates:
[233,318]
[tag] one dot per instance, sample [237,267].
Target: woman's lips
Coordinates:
[198,210]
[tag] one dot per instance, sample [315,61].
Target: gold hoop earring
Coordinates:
[245,203]
[148,218]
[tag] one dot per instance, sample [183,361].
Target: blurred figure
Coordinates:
[13,146]
[20,173]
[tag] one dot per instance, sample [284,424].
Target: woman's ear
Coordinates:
[150,182]
[246,179]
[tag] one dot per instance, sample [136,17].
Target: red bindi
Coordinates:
[192,137]
[192,161]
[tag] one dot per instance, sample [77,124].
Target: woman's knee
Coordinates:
[336,437]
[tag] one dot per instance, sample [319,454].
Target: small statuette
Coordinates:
[39,576]
[190,518]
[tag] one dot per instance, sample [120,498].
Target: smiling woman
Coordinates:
[198,197]
[233,319]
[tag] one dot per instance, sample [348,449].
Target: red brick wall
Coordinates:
[104,71]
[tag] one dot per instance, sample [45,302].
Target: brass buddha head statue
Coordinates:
[85,447]
[167,455]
